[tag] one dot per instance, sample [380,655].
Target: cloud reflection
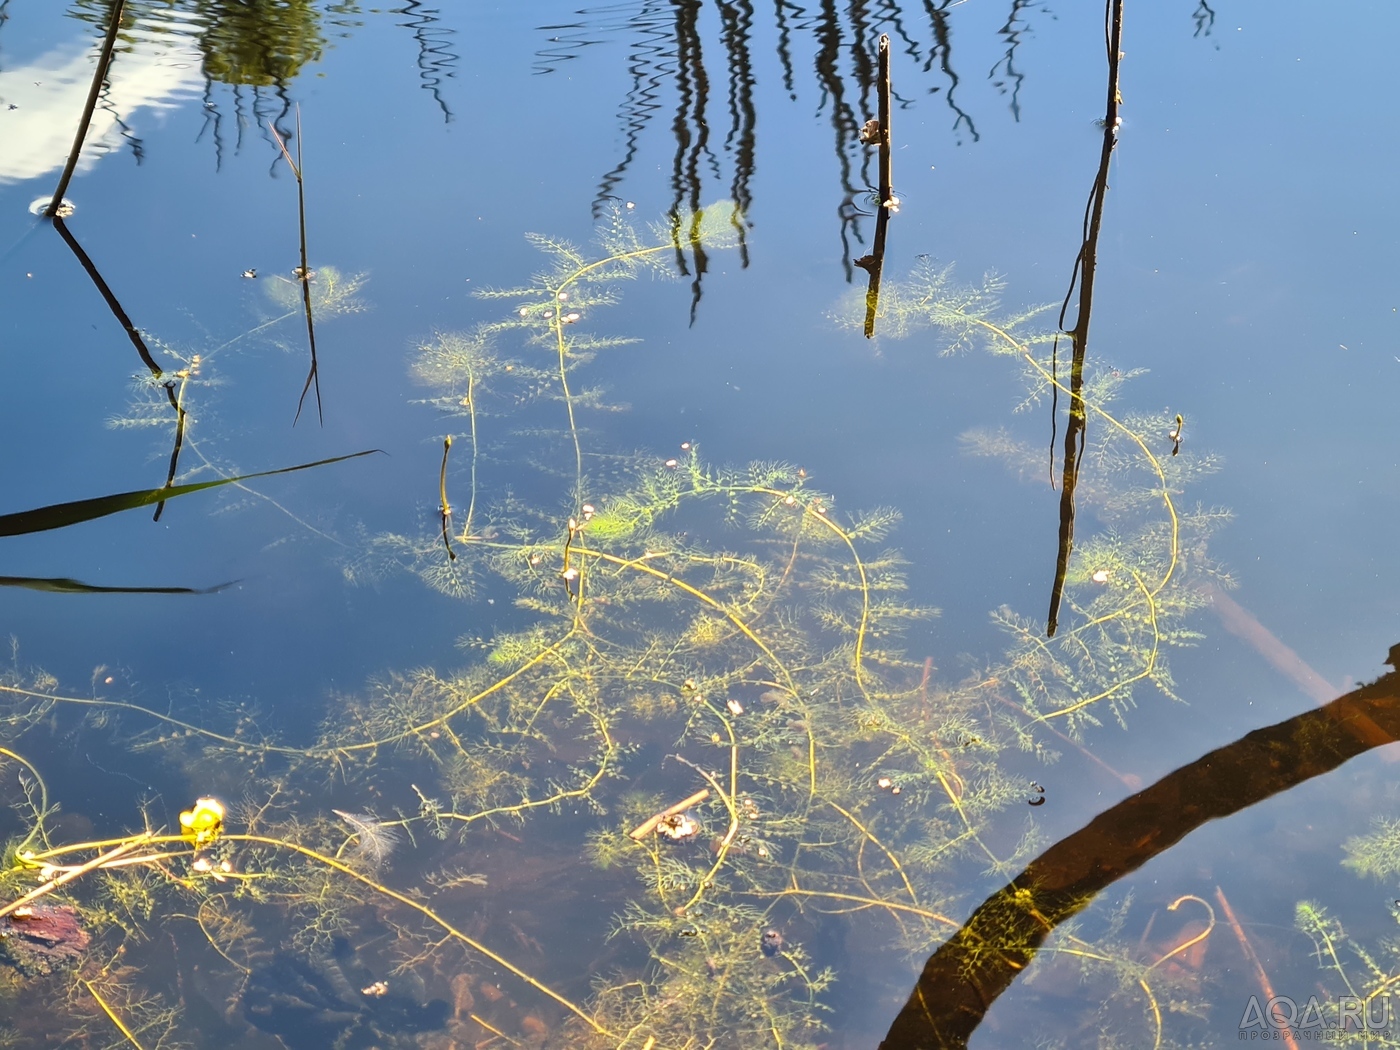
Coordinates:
[39,102]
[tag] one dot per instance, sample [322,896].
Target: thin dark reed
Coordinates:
[134,334]
[174,454]
[313,376]
[99,75]
[1082,277]
[874,263]
[445,508]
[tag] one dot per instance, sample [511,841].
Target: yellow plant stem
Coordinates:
[124,862]
[894,861]
[695,592]
[583,791]
[1187,945]
[82,869]
[863,902]
[282,749]
[562,347]
[213,941]
[112,1015]
[858,659]
[37,830]
[121,705]
[728,799]
[471,413]
[493,1030]
[124,846]
[1147,992]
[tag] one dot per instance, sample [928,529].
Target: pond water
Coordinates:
[705,533]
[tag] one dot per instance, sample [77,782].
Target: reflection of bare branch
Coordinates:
[843,122]
[435,59]
[693,87]
[1013,32]
[736,17]
[647,66]
[942,53]
[1204,17]
[784,43]
[99,78]
[888,11]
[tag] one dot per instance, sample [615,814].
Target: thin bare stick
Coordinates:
[491,1028]
[313,377]
[878,131]
[109,297]
[886,142]
[1082,278]
[68,876]
[1244,625]
[132,333]
[1264,984]
[445,508]
[174,456]
[104,62]
[647,826]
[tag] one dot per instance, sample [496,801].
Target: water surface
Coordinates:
[1244,280]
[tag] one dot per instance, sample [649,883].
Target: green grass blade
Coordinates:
[61,515]
[67,585]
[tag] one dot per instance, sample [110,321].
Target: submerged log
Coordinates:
[40,939]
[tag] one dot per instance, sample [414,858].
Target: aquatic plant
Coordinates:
[193,377]
[706,677]
[1362,979]
[1131,588]
[1376,855]
[1137,987]
[1364,976]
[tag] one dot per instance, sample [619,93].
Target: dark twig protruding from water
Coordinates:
[174,455]
[105,290]
[1082,277]
[445,508]
[878,131]
[99,75]
[134,334]
[303,272]
[95,94]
